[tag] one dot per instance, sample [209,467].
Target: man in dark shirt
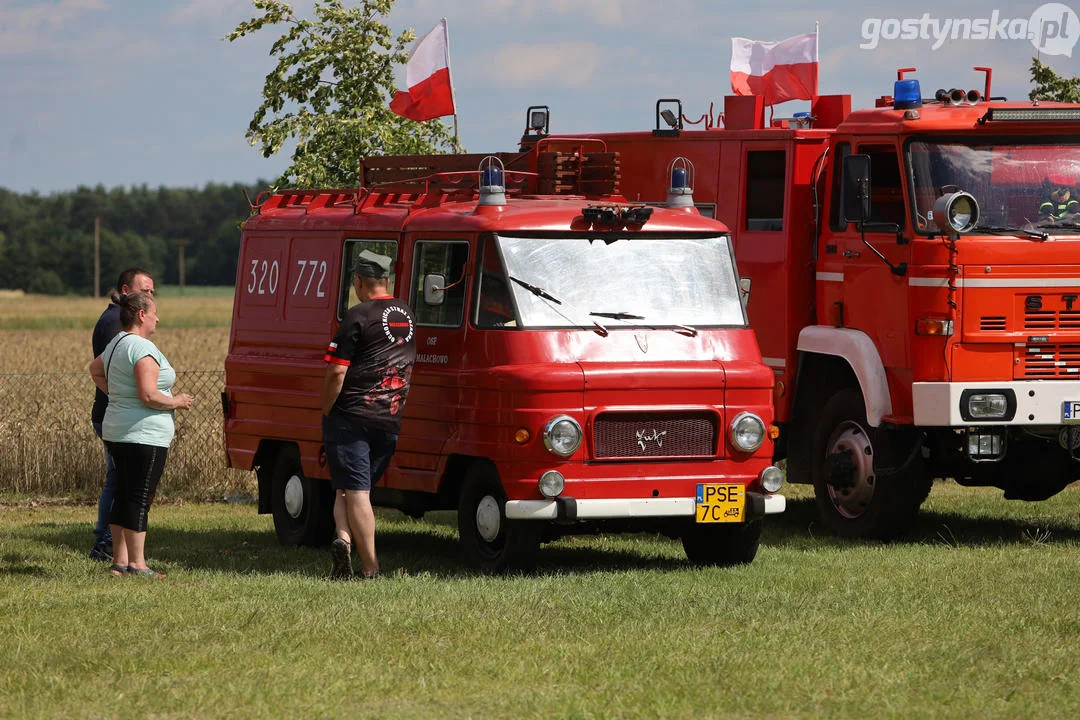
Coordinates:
[130,281]
[370,362]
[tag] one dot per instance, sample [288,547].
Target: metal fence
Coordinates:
[48,446]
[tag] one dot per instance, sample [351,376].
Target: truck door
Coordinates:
[437,293]
[874,297]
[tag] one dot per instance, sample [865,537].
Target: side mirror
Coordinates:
[855,188]
[744,291]
[434,289]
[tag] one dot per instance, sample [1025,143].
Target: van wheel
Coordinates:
[722,543]
[492,543]
[302,507]
[852,498]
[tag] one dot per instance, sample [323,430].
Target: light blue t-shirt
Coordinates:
[127,419]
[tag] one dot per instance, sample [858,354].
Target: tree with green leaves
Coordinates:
[331,92]
[1051,86]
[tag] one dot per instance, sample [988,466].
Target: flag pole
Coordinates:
[450,75]
[817,59]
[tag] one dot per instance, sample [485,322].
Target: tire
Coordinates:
[723,544]
[853,499]
[491,543]
[302,507]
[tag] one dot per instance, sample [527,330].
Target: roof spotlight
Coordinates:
[956,213]
[669,118]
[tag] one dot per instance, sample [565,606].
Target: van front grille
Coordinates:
[659,435]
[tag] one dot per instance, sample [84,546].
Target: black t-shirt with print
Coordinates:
[377,343]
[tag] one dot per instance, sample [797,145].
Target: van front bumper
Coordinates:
[568,508]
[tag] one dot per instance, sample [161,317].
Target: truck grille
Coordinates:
[1050,320]
[659,435]
[1048,361]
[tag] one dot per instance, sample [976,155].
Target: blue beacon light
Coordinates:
[907,95]
[679,178]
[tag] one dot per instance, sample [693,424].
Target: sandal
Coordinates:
[118,570]
[146,572]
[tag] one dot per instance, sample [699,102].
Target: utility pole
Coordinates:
[180,245]
[97,256]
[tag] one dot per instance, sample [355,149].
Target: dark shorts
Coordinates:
[138,470]
[357,456]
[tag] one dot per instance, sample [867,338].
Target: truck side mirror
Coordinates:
[434,289]
[855,188]
[744,291]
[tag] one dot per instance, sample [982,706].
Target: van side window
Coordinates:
[765,189]
[886,189]
[835,214]
[347,295]
[493,304]
[440,265]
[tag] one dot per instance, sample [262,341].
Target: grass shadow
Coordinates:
[416,548]
[800,526]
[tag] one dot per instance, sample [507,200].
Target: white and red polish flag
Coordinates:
[780,71]
[427,75]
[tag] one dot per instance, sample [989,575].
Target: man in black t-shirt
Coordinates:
[130,281]
[370,362]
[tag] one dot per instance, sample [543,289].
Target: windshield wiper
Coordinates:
[1065,225]
[1007,230]
[617,315]
[539,292]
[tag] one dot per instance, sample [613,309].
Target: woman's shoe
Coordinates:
[118,570]
[146,572]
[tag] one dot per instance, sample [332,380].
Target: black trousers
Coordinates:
[138,470]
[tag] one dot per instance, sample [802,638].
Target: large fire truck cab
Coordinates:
[916,286]
[583,364]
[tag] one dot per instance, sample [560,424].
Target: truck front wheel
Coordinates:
[492,543]
[302,507]
[722,543]
[854,499]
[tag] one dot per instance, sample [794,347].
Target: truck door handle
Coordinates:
[852,254]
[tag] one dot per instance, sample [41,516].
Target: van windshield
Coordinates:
[1017,184]
[638,281]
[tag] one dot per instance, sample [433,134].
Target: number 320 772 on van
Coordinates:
[583,364]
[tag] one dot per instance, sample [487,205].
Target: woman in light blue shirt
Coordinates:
[138,425]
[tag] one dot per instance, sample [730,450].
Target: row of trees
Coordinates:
[47,242]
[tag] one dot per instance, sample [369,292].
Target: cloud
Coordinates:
[195,11]
[25,30]
[564,64]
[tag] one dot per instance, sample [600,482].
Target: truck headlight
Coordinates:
[987,405]
[772,478]
[551,483]
[747,432]
[562,435]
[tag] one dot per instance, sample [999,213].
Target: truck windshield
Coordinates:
[1017,184]
[639,281]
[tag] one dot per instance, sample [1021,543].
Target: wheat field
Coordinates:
[47,446]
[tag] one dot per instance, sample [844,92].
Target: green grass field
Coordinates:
[974,615]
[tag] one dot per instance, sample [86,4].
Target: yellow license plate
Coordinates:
[720,503]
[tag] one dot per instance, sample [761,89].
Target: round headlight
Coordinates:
[956,212]
[772,478]
[552,483]
[562,435]
[747,432]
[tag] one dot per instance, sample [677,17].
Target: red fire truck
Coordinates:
[915,285]
[583,364]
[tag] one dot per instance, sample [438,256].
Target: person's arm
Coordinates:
[97,372]
[146,377]
[332,383]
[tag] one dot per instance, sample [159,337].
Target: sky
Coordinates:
[132,92]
